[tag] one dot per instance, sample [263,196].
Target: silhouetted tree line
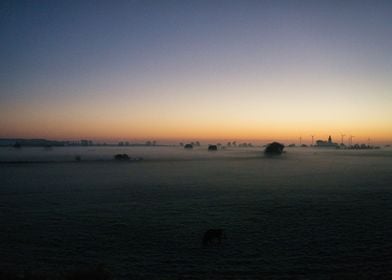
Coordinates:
[147,143]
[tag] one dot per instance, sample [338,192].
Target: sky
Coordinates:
[177,70]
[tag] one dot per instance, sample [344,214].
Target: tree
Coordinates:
[274,148]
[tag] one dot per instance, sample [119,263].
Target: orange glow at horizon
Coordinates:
[260,112]
[179,130]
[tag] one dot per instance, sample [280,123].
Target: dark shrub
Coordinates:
[212,147]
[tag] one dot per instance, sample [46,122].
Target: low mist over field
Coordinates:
[306,213]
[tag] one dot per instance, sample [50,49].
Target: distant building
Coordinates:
[30,142]
[326,144]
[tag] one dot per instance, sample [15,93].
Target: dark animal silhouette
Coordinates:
[213,235]
[188,146]
[122,157]
[212,147]
[274,148]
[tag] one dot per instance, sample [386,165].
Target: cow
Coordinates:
[213,235]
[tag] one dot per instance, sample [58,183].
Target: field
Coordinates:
[310,213]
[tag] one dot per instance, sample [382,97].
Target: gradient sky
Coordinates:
[196,69]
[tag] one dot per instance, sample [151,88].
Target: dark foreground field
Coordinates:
[305,215]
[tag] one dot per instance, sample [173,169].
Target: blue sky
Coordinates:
[133,64]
